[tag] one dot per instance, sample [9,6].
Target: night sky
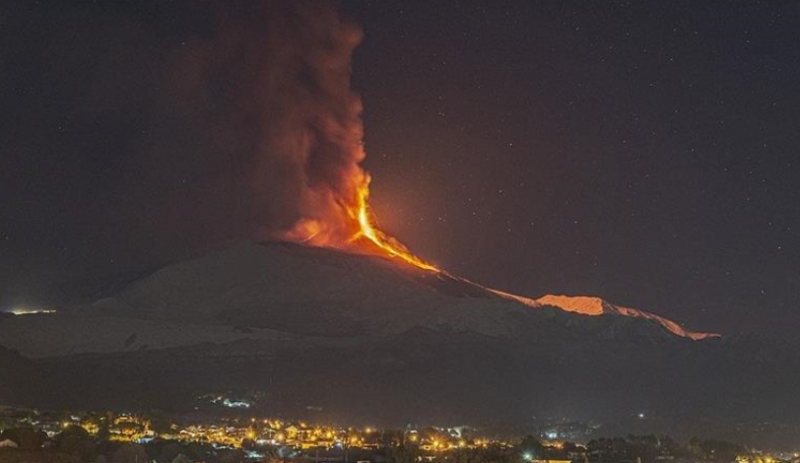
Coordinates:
[645,152]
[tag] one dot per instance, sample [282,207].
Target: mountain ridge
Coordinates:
[596,306]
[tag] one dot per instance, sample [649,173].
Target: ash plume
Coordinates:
[294,62]
[288,66]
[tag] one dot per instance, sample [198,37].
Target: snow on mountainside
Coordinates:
[277,291]
[310,290]
[595,306]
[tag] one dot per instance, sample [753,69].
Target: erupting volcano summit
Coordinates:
[318,137]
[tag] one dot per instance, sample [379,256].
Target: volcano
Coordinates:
[322,334]
[291,289]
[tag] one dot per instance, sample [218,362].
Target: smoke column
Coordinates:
[312,135]
[287,115]
[293,65]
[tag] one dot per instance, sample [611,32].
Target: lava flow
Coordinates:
[386,243]
[350,226]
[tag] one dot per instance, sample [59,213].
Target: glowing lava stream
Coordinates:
[388,244]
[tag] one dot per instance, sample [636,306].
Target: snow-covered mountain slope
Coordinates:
[316,291]
[595,306]
[273,291]
[311,291]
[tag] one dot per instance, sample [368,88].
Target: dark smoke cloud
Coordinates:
[134,132]
[282,70]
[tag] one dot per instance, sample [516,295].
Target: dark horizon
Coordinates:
[643,153]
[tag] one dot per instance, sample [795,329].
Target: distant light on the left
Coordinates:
[25,311]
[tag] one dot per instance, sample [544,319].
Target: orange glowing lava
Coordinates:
[386,243]
[350,226]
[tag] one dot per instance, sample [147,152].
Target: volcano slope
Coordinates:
[321,334]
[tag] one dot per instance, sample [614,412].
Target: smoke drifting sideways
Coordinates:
[147,131]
